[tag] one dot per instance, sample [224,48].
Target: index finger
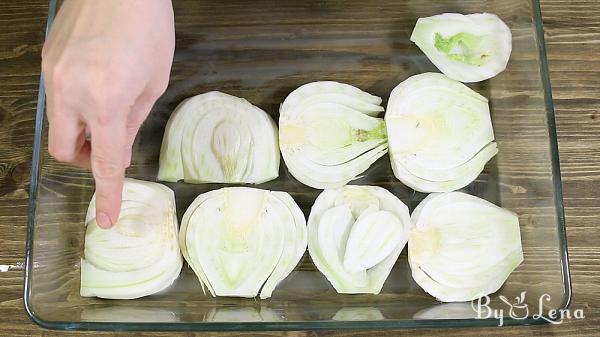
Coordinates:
[108,152]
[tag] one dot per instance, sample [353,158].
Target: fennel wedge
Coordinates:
[329,133]
[140,254]
[439,132]
[462,247]
[355,235]
[219,138]
[466,48]
[242,241]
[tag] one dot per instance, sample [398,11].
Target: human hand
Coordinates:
[105,63]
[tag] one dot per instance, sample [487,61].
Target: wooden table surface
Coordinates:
[573,41]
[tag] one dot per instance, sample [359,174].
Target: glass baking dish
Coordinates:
[262,52]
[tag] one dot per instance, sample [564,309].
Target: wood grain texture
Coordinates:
[573,42]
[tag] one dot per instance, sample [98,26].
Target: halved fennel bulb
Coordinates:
[467,48]
[439,132]
[329,133]
[139,255]
[241,241]
[219,138]
[355,235]
[462,247]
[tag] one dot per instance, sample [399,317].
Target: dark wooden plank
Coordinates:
[573,43]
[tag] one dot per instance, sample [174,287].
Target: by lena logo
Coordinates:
[518,309]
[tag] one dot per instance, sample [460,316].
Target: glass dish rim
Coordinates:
[305,325]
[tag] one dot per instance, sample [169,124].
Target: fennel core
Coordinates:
[364,135]
[462,47]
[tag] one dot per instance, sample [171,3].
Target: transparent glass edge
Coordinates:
[308,325]
[33,183]
[556,175]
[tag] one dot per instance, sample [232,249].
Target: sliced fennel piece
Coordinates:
[355,235]
[243,241]
[462,247]
[139,255]
[364,249]
[329,133]
[219,138]
[440,133]
[295,242]
[467,48]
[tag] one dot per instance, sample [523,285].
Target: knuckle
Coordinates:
[59,74]
[105,91]
[104,168]
[104,199]
[109,103]
[57,80]
[61,154]
[104,116]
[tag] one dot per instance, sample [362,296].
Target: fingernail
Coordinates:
[103,220]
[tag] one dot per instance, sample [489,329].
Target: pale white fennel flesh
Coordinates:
[242,241]
[329,133]
[462,247]
[139,255]
[219,138]
[467,48]
[440,133]
[355,235]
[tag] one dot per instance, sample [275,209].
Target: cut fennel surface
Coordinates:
[242,241]
[462,247]
[140,254]
[466,48]
[355,235]
[439,132]
[219,138]
[329,133]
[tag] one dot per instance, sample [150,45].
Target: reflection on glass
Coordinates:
[358,314]
[245,314]
[447,311]
[128,314]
